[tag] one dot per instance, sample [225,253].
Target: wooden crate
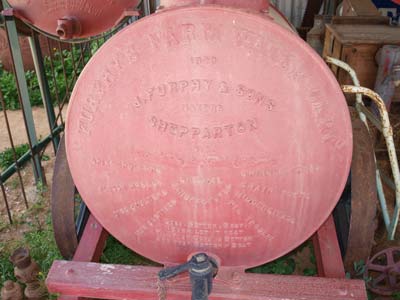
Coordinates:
[357,45]
[359,8]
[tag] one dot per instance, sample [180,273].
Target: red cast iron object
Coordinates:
[261,6]
[73,19]
[25,269]
[382,272]
[257,5]
[11,291]
[234,140]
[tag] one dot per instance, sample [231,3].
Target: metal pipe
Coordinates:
[21,182]
[146,7]
[43,85]
[23,94]
[387,132]
[363,113]
[356,82]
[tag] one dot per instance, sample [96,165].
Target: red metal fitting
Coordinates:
[68,28]
[11,291]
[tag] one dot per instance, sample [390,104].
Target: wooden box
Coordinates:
[357,45]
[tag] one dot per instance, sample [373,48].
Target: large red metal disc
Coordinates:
[258,5]
[216,131]
[72,19]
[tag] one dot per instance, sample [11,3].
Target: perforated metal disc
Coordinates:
[209,129]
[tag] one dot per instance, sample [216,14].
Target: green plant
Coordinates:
[60,73]
[283,266]
[310,272]
[41,188]
[42,246]
[117,253]
[9,89]
[38,237]
[7,156]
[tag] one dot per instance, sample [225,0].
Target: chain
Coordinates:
[161,289]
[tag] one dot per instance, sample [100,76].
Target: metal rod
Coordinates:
[6,202]
[388,135]
[146,7]
[4,176]
[56,91]
[3,104]
[43,85]
[354,78]
[23,94]
[364,113]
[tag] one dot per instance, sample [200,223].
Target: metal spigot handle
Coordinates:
[202,269]
[174,271]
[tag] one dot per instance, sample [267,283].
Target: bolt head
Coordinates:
[201,257]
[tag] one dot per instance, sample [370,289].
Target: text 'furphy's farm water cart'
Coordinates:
[207,137]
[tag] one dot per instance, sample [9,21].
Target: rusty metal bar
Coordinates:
[23,94]
[3,104]
[356,82]
[146,7]
[43,85]
[363,110]
[69,86]
[387,132]
[67,92]
[364,113]
[28,155]
[57,96]
[6,202]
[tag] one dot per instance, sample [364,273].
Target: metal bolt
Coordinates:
[201,258]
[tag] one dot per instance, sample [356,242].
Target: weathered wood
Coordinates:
[102,281]
[361,20]
[327,251]
[365,34]
[359,8]
[362,59]
[90,247]
[358,45]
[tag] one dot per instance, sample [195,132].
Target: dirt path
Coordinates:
[18,127]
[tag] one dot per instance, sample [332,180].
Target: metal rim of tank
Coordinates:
[69,213]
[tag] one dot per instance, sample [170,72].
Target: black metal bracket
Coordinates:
[202,270]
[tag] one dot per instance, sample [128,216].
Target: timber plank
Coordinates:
[102,281]
[365,34]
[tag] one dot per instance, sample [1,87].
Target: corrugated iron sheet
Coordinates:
[292,9]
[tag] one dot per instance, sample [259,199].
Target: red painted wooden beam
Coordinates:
[92,280]
[327,251]
[92,243]
[90,247]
